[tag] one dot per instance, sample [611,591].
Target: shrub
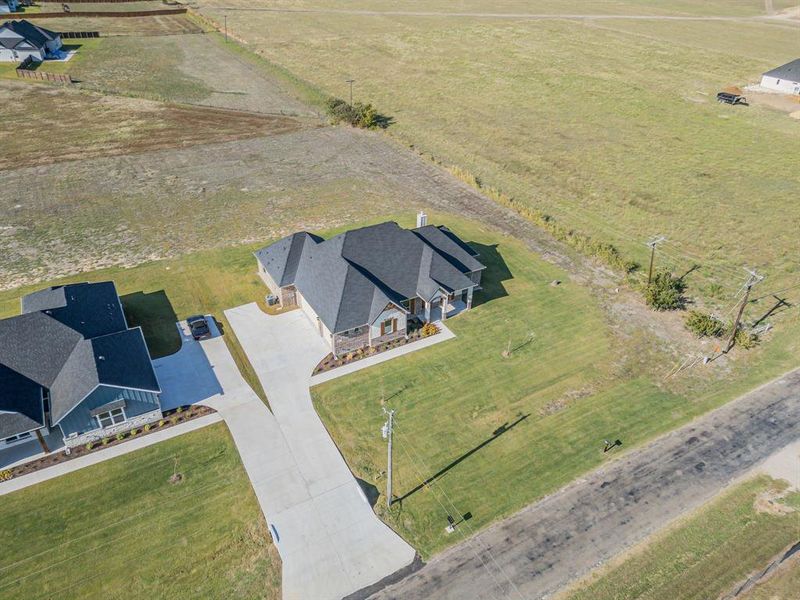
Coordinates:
[665,292]
[429,329]
[148,427]
[105,441]
[174,420]
[745,339]
[120,437]
[179,410]
[5,475]
[703,325]
[357,115]
[161,423]
[90,445]
[133,432]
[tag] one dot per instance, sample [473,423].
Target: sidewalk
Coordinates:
[99,456]
[444,335]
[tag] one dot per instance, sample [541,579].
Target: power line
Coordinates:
[652,244]
[752,280]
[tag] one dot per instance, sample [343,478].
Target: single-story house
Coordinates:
[785,79]
[21,39]
[8,6]
[361,288]
[71,362]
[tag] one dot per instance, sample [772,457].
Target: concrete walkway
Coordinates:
[330,541]
[106,454]
[444,335]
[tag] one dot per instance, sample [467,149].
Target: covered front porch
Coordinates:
[445,306]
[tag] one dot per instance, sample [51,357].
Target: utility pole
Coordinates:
[351,81]
[652,245]
[226,28]
[753,279]
[387,435]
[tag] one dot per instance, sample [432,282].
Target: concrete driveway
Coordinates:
[330,541]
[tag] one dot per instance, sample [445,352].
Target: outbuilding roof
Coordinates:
[790,71]
[69,340]
[350,279]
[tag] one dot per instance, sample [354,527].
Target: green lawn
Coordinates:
[566,385]
[706,554]
[156,294]
[121,530]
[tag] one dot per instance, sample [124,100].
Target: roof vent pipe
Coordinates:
[422,219]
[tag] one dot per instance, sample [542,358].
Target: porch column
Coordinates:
[427,311]
[444,308]
[42,443]
[469,298]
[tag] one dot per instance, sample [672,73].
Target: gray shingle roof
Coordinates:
[790,71]
[21,407]
[349,279]
[58,341]
[33,34]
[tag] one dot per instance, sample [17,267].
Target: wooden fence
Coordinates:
[23,70]
[104,13]
[79,35]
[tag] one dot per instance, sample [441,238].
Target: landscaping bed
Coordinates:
[331,362]
[171,418]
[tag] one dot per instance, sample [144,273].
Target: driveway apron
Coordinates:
[331,542]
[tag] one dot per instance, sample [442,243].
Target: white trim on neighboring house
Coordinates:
[108,412]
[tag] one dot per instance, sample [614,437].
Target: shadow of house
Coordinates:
[493,277]
[153,312]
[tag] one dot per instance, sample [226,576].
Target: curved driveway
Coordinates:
[330,541]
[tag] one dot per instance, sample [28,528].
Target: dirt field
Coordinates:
[137,26]
[82,126]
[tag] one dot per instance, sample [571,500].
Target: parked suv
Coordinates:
[198,325]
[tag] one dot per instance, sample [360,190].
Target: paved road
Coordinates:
[548,544]
[330,541]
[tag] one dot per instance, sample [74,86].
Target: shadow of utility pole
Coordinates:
[504,428]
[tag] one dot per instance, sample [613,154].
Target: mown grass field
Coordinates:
[608,125]
[120,529]
[568,385]
[707,553]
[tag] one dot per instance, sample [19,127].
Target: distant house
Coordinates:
[21,39]
[70,361]
[8,6]
[785,79]
[363,287]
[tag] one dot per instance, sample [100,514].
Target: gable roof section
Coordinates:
[349,279]
[27,31]
[92,309]
[21,408]
[122,360]
[69,340]
[790,70]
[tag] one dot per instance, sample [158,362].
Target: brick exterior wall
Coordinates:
[344,344]
[99,434]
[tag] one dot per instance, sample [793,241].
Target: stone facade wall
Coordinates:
[377,341]
[99,434]
[344,344]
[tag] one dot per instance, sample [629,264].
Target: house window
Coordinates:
[17,438]
[387,327]
[112,417]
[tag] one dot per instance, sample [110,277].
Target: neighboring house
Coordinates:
[8,6]
[361,288]
[21,39]
[785,79]
[70,361]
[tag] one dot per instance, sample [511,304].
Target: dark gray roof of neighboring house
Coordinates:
[92,309]
[122,360]
[790,70]
[58,340]
[33,34]
[21,408]
[349,279]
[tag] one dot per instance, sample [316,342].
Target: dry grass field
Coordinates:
[609,125]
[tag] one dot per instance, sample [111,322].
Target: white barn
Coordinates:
[784,79]
[21,39]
